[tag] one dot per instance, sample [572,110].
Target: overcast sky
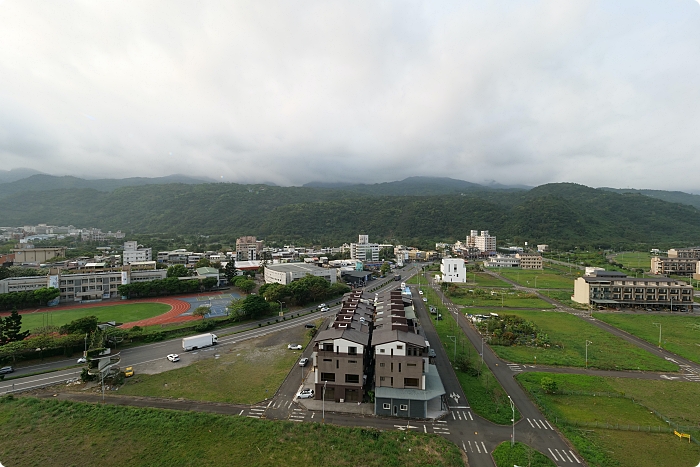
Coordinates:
[603,93]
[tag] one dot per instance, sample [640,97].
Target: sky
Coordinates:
[602,93]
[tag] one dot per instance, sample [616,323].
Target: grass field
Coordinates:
[634,260]
[486,396]
[125,313]
[246,373]
[679,333]
[48,432]
[542,279]
[502,299]
[568,335]
[485,280]
[678,401]
[520,454]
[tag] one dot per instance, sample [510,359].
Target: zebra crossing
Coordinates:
[474,447]
[690,373]
[515,367]
[541,424]
[297,415]
[561,455]
[440,428]
[462,415]
[255,412]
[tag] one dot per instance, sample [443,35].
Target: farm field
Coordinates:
[485,280]
[541,279]
[48,432]
[568,335]
[680,334]
[498,298]
[124,313]
[676,400]
[634,260]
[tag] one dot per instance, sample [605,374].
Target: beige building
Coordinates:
[29,254]
[528,261]
[678,266]
[286,273]
[612,288]
[248,248]
[691,253]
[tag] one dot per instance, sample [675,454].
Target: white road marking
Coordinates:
[477,447]
[470,416]
[528,420]
[453,416]
[484,446]
[241,412]
[550,426]
[574,456]
[470,446]
[566,454]
[425,429]
[553,455]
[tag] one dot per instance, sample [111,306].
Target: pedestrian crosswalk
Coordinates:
[297,415]
[515,367]
[462,415]
[563,455]
[474,447]
[541,424]
[691,373]
[255,412]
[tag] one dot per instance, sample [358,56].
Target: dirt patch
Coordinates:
[293,335]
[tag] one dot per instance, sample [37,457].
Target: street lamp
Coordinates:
[85,353]
[587,342]
[454,339]
[483,339]
[323,413]
[659,325]
[512,407]
[535,281]
[280,306]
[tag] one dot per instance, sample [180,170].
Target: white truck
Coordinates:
[197,342]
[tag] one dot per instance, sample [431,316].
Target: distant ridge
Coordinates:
[670,196]
[413,186]
[12,175]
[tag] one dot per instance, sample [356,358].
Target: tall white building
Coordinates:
[483,242]
[134,253]
[453,270]
[363,250]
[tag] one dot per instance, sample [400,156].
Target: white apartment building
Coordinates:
[134,253]
[286,273]
[453,270]
[502,262]
[363,250]
[484,241]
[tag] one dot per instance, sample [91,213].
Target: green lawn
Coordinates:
[568,335]
[679,401]
[520,454]
[485,280]
[634,260]
[125,313]
[48,432]
[679,333]
[547,278]
[241,375]
[486,396]
[500,298]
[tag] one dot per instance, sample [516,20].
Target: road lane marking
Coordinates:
[565,454]
[574,456]
[470,446]
[470,416]
[553,455]
[485,450]
[241,412]
[528,420]
[477,447]
[550,426]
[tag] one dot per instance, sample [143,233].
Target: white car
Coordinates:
[306,394]
[324,309]
[420,292]
[425,299]
[294,347]
[82,360]
[303,361]
[322,305]
[173,357]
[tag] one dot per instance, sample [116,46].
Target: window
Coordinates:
[403,407]
[330,377]
[399,367]
[386,406]
[410,382]
[382,364]
[352,361]
[352,350]
[399,347]
[352,378]
[328,347]
[410,364]
[381,350]
[337,363]
[327,359]
[381,378]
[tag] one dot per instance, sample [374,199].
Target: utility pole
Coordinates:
[512,407]
[454,339]
[323,414]
[587,342]
[659,325]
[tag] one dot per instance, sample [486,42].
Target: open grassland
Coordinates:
[542,279]
[245,373]
[482,279]
[125,313]
[678,401]
[679,333]
[486,396]
[568,335]
[566,270]
[48,432]
[634,260]
[520,454]
[500,298]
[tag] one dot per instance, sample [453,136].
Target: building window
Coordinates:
[328,347]
[399,347]
[352,361]
[386,406]
[403,407]
[410,364]
[327,359]
[382,364]
[410,382]
[330,377]
[352,378]
[352,350]
[381,378]
[381,350]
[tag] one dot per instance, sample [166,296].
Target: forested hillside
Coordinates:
[562,215]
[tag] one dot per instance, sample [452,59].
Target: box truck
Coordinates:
[197,342]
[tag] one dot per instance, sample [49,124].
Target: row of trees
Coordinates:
[29,298]
[305,290]
[167,286]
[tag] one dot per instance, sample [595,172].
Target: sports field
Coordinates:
[122,313]
[539,278]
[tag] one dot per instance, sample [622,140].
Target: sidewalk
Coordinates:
[332,406]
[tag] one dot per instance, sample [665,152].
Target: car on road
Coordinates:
[420,292]
[294,347]
[323,305]
[310,325]
[431,353]
[306,394]
[425,299]
[6,369]
[82,360]
[325,309]
[129,371]
[303,361]
[173,357]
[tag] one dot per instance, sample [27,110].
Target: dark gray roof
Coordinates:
[352,335]
[382,336]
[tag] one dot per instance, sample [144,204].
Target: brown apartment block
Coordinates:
[341,356]
[679,266]
[529,261]
[688,253]
[248,248]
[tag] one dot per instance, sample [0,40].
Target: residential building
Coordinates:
[684,265]
[453,270]
[483,242]
[286,273]
[29,254]
[502,261]
[133,252]
[248,248]
[542,248]
[612,288]
[691,252]
[363,250]
[529,261]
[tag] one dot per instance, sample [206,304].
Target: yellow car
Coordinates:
[128,371]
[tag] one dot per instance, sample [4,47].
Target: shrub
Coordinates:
[548,385]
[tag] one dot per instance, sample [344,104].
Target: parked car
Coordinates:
[129,371]
[323,305]
[303,361]
[420,292]
[82,360]
[306,394]
[431,353]
[6,369]
[310,325]
[425,299]
[173,357]
[294,347]
[324,309]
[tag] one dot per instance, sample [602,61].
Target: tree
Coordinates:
[200,311]
[209,283]
[273,292]
[385,269]
[246,286]
[230,270]
[548,385]
[255,306]
[83,325]
[203,263]
[13,327]
[177,270]
[386,253]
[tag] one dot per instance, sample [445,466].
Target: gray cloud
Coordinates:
[600,93]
